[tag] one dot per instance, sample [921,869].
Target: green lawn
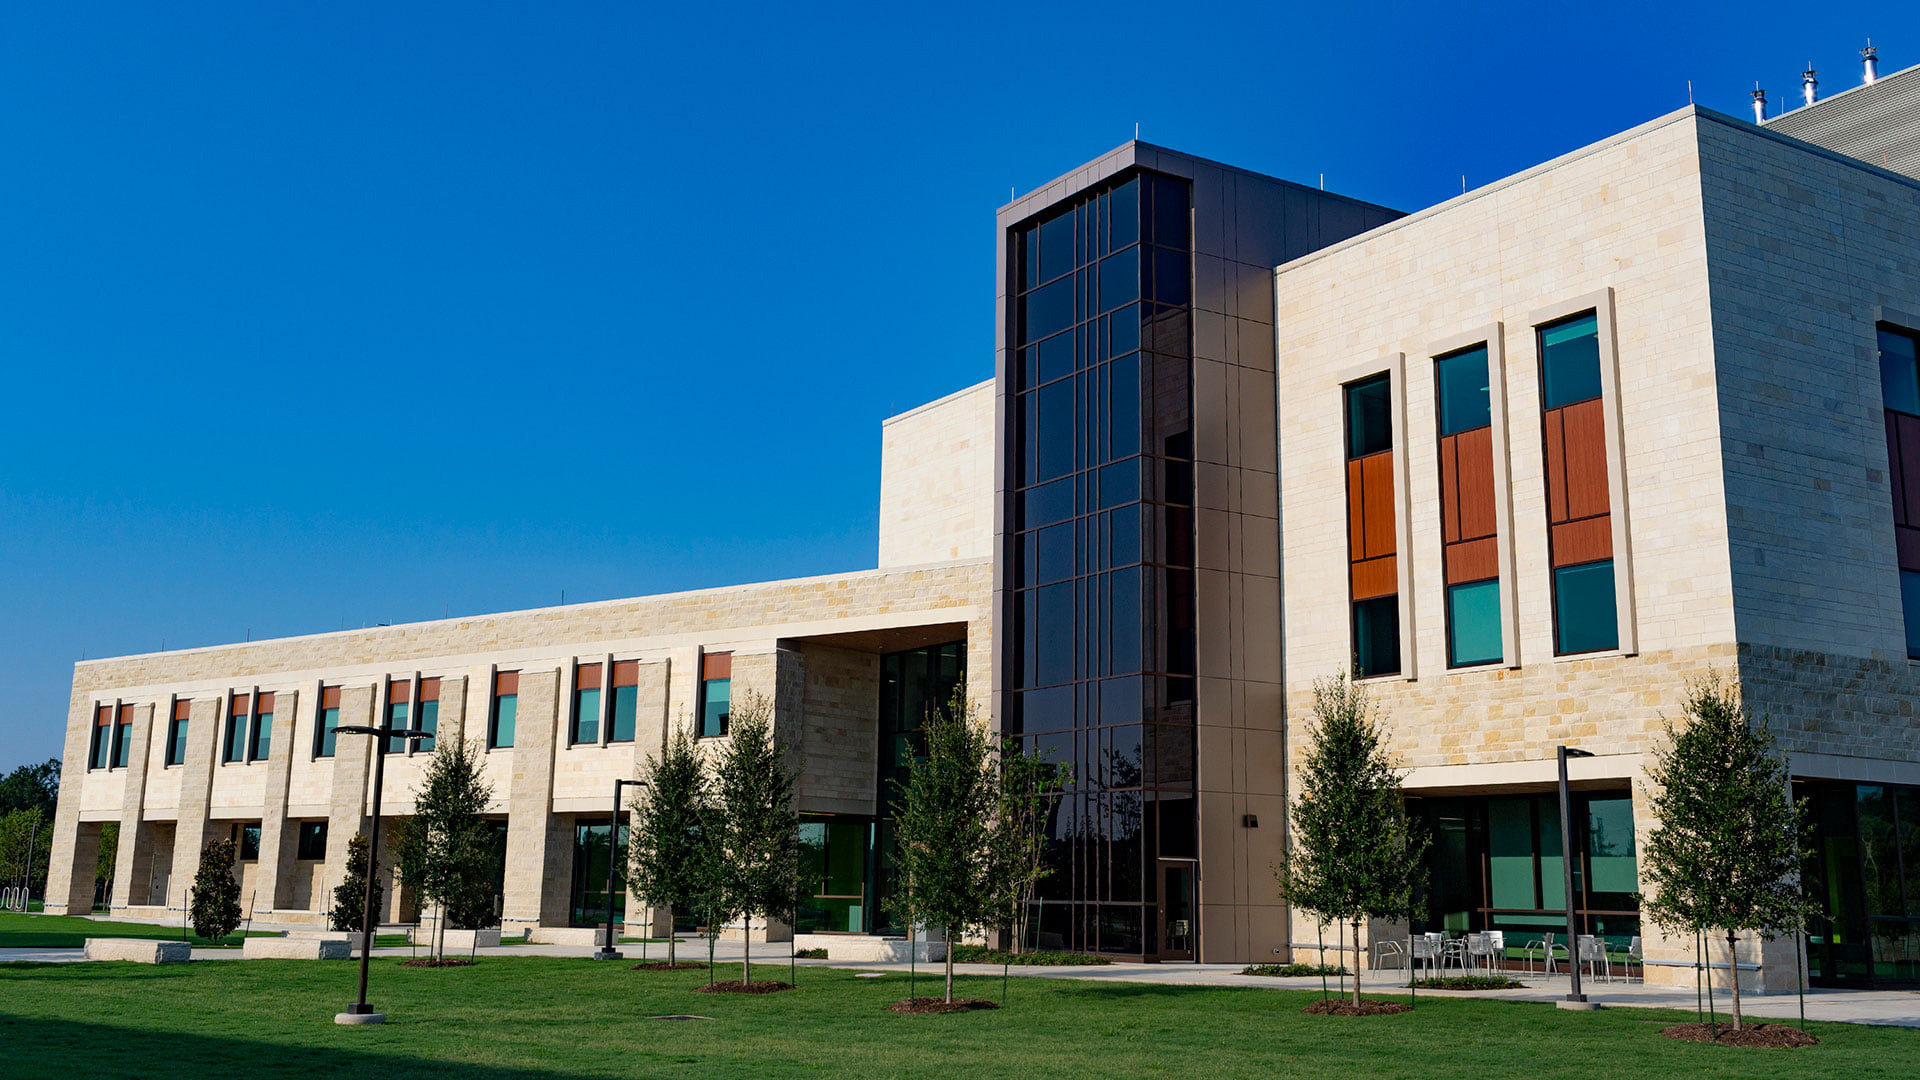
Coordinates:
[525,1018]
[19,931]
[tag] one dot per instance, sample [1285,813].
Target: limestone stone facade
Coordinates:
[1741,275]
[936,480]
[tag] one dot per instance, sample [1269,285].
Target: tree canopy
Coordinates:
[673,854]
[757,826]
[446,850]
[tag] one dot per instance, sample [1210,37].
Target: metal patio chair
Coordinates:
[1636,954]
[1593,953]
[1547,949]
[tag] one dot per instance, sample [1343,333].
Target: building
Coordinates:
[1525,462]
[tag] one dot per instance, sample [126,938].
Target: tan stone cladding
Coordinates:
[1824,703]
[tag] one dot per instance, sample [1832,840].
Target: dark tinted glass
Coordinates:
[1055,435]
[1053,549]
[1376,636]
[1124,207]
[1369,416]
[1047,310]
[1120,279]
[1128,619]
[1585,618]
[1125,543]
[1570,360]
[1047,503]
[1169,211]
[1473,623]
[1172,282]
[1120,483]
[1123,406]
[1125,331]
[1056,247]
[1053,634]
[1465,401]
[1910,604]
[1055,358]
[1899,378]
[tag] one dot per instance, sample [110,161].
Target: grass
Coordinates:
[543,1018]
[19,931]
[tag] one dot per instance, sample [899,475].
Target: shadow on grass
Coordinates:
[37,1047]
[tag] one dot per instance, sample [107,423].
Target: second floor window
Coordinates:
[716,694]
[239,711]
[1579,510]
[325,723]
[1372,531]
[100,750]
[586,704]
[1469,534]
[122,736]
[177,733]
[260,744]
[506,708]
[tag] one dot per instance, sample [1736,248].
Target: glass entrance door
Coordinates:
[1176,910]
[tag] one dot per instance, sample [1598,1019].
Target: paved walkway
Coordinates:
[1897,1008]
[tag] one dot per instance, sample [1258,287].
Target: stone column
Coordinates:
[271,887]
[135,856]
[532,858]
[194,827]
[75,850]
[347,794]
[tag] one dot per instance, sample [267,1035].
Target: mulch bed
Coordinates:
[1365,1008]
[428,961]
[1771,1036]
[913,1006]
[662,965]
[735,986]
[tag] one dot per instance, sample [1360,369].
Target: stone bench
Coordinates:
[460,940]
[862,949]
[351,937]
[139,950]
[585,937]
[294,948]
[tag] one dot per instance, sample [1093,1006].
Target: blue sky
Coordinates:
[323,317]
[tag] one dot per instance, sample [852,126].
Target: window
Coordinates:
[1373,572]
[312,841]
[177,733]
[326,722]
[716,693]
[401,715]
[261,744]
[246,837]
[1473,623]
[1584,618]
[1900,390]
[100,750]
[1579,509]
[586,704]
[122,736]
[1469,529]
[428,718]
[624,707]
[234,748]
[506,706]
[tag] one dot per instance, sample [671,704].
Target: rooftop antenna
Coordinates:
[1136,131]
[1463,183]
[1809,86]
[1870,63]
[1323,181]
[1689,91]
[1759,104]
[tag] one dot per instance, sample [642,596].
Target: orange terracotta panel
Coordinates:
[1474,560]
[1586,459]
[716,666]
[1375,577]
[1377,510]
[1474,496]
[506,683]
[1583,541]
[587,677]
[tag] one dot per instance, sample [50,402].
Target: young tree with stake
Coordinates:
[759,830]
[1353,853]
[673,858]
[1727,852]
[1030,787]
[952,857]
[445,851]
[351,893]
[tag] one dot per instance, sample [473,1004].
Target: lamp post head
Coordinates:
[1574,751]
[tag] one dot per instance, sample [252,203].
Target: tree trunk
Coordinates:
[671,942]
[949,936]
[746,949]
[440,932]
[1733,977]
[1355,922]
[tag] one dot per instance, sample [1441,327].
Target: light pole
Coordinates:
[360,1012]
[607,951]
[1566,865]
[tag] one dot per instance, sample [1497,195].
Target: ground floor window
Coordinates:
[1496,864]
[590,875]
[836,875]
[1865,879]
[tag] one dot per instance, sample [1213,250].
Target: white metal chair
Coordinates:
[1636,954]
[1593,953]
[1428,950]
[1496,951]
[1389,948]
[1547,949]
[1482,949]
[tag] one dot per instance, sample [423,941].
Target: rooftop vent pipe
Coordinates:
[1870,62]
[1809,86]
[1759,104]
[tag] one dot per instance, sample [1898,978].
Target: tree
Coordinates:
[216,893]
[952,857]
[350,896]
[673,859]
[24,849]
[31,786]
[1030,787]
[1727,851]
[445,851]
[1353,853]
[759,831]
